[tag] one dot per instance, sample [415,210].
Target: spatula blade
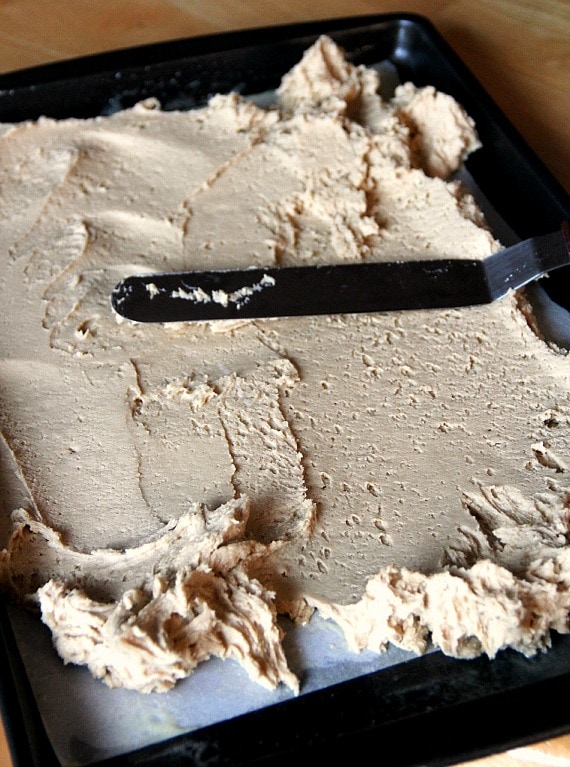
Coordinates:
[340,288]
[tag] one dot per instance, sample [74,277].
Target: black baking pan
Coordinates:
[428,711]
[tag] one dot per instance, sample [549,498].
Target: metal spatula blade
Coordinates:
[341,288]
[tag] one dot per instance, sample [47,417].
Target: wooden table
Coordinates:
[519,50]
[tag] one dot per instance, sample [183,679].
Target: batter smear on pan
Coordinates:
[169,491]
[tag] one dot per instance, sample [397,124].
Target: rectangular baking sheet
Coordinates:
[432,710]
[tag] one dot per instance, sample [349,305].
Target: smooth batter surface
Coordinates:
[169,490]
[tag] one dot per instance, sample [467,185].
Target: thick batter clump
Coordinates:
[170,490]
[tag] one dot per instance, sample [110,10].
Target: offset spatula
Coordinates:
[339,289]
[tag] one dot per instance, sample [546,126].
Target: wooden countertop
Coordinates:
[518,49]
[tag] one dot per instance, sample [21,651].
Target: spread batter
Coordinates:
[170,490]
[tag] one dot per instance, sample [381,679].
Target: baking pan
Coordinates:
[432,710]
